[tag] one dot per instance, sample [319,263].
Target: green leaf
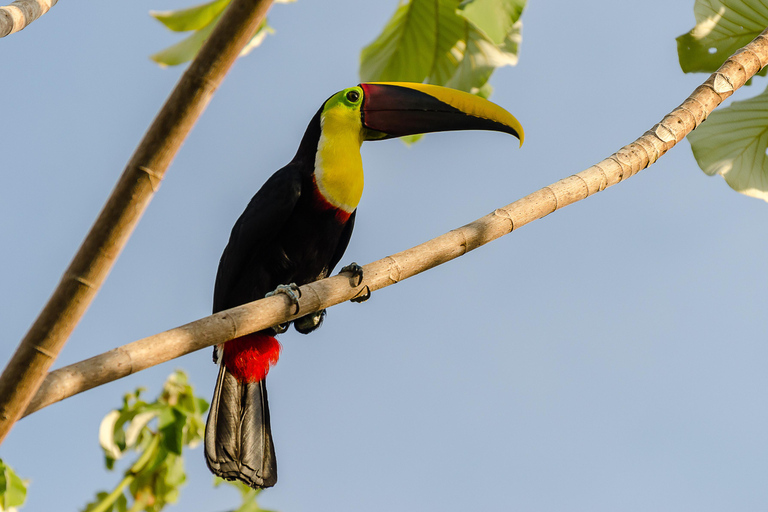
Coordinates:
[495,18]
[100,497]
[13,491]
[722,27]
[136,426]
[733,144]
[193,18]
[154,478]
[121,504]
[482,57]
[485,91]
[201,19]
[107,435]
[247,495]
[176,475]
[258,37]
[450,45]
[185,50]
[405,49]
[202,405]
[445,42]
[171,425]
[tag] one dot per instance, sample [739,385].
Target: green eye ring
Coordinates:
[353,96]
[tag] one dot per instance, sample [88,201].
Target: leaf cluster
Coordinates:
[200,20]
[734,141]
[454,43]
[13,490]
[157,431]
[247,496]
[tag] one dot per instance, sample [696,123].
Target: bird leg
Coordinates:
[363,296]
[291,290]
[308,323]
[293,293]
[356,271]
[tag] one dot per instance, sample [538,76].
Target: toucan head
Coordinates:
[396,109]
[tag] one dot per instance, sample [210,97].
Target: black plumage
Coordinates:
[286,234]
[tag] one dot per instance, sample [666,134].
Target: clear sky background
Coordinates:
[611,356]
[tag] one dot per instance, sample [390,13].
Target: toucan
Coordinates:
[295,230]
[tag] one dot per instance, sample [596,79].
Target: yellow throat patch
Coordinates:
[338,165]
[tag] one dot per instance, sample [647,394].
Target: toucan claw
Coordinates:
[356,271]
[362,296]
[308,323]
[281,328]
[292,291]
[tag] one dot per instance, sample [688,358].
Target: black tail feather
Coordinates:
[238,437]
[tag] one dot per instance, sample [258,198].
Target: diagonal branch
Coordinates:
[133,192]
[264,313]
[21,13]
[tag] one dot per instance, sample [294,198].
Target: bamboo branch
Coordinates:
[140,179]
[21,13]
[223,326]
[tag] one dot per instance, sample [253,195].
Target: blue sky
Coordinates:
[608,357]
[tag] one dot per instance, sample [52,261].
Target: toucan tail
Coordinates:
[238,438]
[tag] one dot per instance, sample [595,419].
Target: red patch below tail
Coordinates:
[249,358]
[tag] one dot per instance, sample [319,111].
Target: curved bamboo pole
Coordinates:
[263,313]
[133,192]
[21,13]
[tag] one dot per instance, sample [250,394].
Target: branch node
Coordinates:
[629,154]
[623,173]
[80,279]
[722,84]
[554,195]
[158,178]
[464,242]
[704,110]
[504,214]
[664,134]
[234,328]
[646,157]
[747,49]
[604,181]
[311,287]
[586,185]
[46,353]
[127,354]
[395,271]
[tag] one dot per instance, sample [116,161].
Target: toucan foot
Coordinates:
[310,322]
[356,271]
[281,328]
[291,290]
[363,296]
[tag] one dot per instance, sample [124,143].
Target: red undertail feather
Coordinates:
[249,358]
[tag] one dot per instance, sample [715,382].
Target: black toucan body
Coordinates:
[295,230]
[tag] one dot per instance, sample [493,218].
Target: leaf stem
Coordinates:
[110,498]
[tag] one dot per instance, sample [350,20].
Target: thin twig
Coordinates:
[263,313]
[133,192]
[21,13]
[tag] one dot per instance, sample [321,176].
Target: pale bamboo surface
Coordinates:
[132,194]
[263,313]
[19,14]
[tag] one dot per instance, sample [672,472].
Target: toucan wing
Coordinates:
[262,220]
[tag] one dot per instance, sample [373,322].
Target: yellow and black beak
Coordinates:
[396,109]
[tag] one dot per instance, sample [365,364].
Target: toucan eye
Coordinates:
[353,96]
